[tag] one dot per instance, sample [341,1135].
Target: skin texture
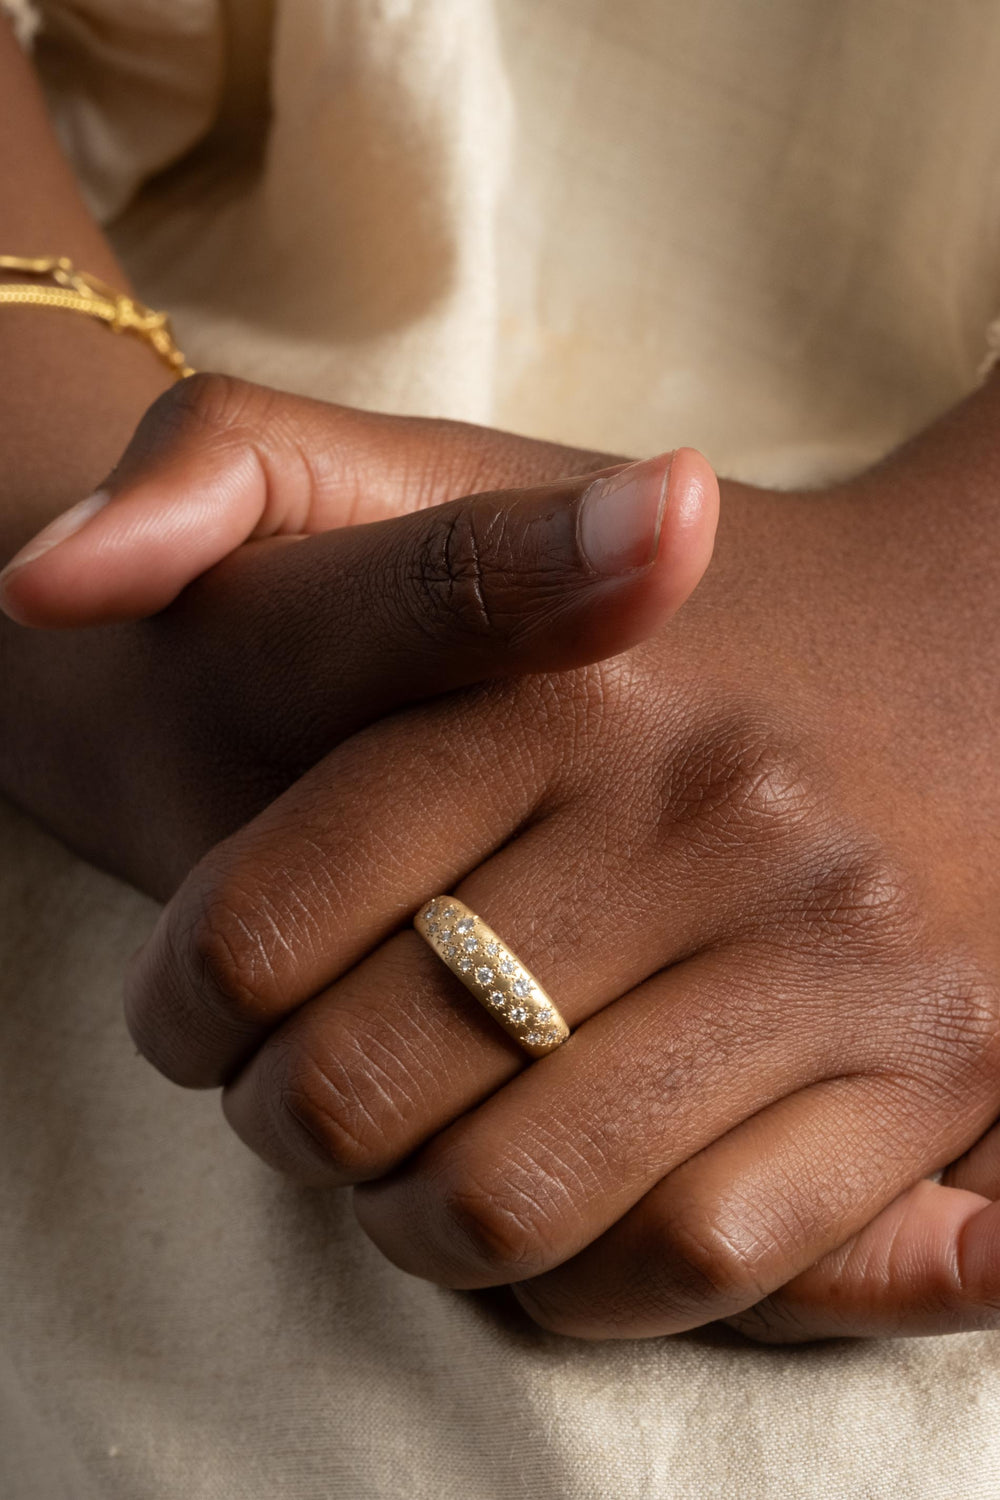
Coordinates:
[143,744]
[70,393]
[753,858]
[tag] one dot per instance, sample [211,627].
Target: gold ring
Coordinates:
[492,974]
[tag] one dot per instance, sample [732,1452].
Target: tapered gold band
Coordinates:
[492,974]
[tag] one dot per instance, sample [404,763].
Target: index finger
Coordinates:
[281,909]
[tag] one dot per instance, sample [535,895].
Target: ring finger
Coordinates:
[364,1073]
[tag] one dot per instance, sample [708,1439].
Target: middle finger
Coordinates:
[364,1073]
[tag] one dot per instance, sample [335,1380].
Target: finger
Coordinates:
[929,1263]
[283,908]
[978,1169]
[300,645]
[554,1160]
[547,1165]
[329,870]
[540,579]
[218,461]
[374,617]
[365,1072]
[750,1212]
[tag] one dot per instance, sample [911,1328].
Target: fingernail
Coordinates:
[620,517]
[60,530]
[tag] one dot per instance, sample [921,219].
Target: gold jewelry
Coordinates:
[492,974]
[76,291]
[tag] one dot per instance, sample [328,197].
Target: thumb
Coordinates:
[213,462]
[217,461]
[928,1263]
[367,618]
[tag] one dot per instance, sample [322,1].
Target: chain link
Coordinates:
[76,291]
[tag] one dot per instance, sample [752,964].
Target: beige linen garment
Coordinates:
[770,230]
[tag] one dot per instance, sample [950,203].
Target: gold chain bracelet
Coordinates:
[76,291]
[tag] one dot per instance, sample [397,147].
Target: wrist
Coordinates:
[71,394]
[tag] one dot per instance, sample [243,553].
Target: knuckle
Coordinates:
[455,578]
[206,405]
[225,954]
[709,1271]
[491,1227]
[953,1037]
[858,893]
[208,398]
[192,998]
[867,924]
[329,1108]
[741,777]
[492,1232]
[220,997]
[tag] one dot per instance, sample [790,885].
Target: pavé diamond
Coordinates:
[465,964]
[432,928]
[543,1013]
[522,988]
[464,924]
[497,998]
[518,1013]
[450,950]
[470,945]
[493,950]
[533,1038]
[508,967]
[445,934]
[484,975]
[448,913]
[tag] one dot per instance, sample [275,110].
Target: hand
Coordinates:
[144,744]
[754,860]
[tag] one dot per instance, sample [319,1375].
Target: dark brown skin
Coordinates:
[143,744]
[754,859]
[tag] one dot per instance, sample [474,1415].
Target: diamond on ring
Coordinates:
[503,986]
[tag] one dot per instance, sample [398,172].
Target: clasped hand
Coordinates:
[751,851]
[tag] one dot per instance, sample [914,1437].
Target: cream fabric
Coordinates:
[769,229]
[23,17]
[158,65]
